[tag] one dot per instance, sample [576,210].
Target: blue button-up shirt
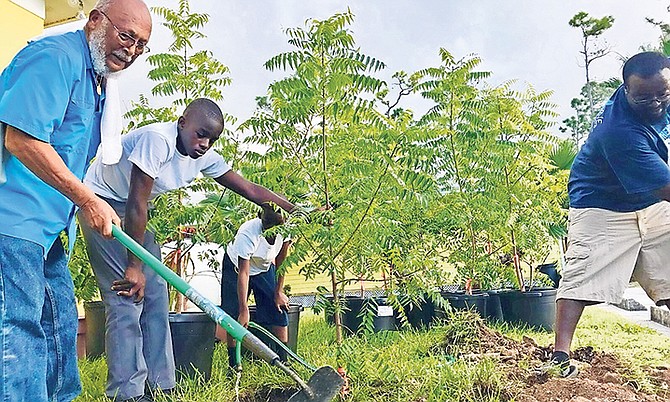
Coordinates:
[49,92]
[622,163]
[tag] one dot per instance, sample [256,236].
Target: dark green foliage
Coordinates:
[85,286]
[591,27]
[579,125]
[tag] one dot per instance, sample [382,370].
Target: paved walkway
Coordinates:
[642,318]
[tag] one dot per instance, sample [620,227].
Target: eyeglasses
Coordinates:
[127,39]
[646,102]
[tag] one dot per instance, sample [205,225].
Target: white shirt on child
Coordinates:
[153,149]
[250,244]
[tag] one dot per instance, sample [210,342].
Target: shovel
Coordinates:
[320,379]
[322,386]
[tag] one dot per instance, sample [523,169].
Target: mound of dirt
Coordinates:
[602,377]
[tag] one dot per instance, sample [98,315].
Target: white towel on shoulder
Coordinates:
[111,123]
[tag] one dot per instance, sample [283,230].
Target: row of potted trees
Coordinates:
[470,193]
[475,182]
[366,314]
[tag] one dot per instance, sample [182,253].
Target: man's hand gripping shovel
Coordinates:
[322,386]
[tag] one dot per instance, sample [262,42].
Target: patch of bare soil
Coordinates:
[269,395]
[601,378]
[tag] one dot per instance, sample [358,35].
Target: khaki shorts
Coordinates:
[606,249]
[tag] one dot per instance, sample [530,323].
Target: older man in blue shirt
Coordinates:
[52,96]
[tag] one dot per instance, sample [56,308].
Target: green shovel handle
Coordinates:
[219,316]
[234,329]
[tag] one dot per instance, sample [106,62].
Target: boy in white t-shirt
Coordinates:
[156,158]
[250,264]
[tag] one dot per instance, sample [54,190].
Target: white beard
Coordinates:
[96,45]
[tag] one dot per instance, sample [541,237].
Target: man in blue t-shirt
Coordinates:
[52,95]
[619,215]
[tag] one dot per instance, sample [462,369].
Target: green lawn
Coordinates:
[399,366]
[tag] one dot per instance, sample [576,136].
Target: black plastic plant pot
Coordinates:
[94,311]
[551,272]
[493,308]
[535,308]
[384,317]
[421,314]
[293,325]
[193,344]
[460,301]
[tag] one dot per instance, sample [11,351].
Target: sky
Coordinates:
[525,40]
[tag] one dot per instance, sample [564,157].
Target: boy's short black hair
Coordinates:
[271,215]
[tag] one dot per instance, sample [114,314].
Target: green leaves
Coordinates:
[470,180]
[181,73]
[332,138]
[283,61]
[85,285]
[563,154]
[182,24]
[492,166]
[591,26]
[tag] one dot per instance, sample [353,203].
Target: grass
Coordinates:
[399,366]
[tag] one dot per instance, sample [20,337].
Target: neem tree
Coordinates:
[330,142]
[493,168]
[521,187]
[461,163]
[182,75]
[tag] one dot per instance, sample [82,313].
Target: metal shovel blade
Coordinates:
[325,383]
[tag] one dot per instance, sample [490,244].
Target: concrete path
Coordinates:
[643,317]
